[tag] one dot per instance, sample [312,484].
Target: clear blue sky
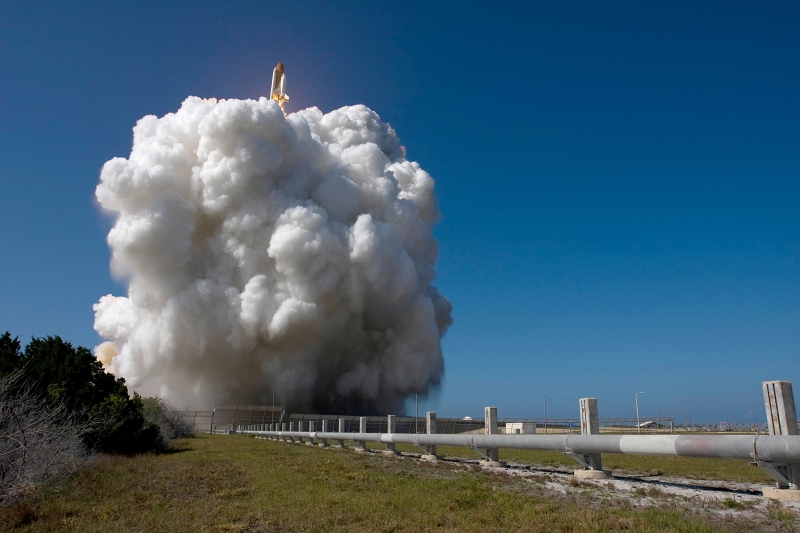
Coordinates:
[619,180]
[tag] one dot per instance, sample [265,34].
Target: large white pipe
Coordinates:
[772,448]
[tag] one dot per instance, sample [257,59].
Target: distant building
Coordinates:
[520,428]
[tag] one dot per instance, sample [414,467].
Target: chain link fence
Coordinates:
[226,418]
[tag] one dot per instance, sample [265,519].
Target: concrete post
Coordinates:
[490,421]
[324,429]
[283,428]
[779,403]
[590,425]
[292,427]
[430,429]
[781,420]
[300,428]
[362,428]
[341,430]
[391,425]
[311,428]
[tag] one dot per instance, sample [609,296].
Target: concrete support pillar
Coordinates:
[324,429]
[779,403]
[341,430]
[362,428]
[490,423]
[391,426]
[590,425]
[311,429]
[430,429]
[781,420]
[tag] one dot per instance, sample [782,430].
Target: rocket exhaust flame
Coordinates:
[268,251]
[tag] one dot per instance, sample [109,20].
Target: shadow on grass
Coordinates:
[173,450]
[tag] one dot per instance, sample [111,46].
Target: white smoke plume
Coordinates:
[269,251]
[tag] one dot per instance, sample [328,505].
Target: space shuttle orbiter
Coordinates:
[278,91]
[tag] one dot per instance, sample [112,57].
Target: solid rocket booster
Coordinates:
[278,89]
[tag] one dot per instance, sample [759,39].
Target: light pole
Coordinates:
[545,415]
[638,424]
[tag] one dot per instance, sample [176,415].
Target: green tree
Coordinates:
[73,376]
[10,354]
[70,374]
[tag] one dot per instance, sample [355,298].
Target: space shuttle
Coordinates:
[278,91]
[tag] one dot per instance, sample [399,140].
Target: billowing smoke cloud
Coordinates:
[268,251]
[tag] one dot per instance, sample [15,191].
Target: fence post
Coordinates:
[430,429]
[312,427]
[490,424]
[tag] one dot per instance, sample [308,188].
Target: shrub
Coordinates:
[39,440]
[163,414]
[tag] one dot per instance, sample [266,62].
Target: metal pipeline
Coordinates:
[772,448]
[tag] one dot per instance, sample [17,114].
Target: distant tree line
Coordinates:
[58,405]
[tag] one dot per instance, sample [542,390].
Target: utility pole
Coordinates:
[638,423]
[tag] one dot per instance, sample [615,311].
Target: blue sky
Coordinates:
[618,181]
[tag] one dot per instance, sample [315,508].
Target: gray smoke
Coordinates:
[268,251]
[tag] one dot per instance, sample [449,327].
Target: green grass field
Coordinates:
[221,483]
